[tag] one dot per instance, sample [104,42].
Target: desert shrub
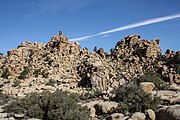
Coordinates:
[176,62]
[50,62]
[24,73]
[154,78]
[6,73]
[4,98]
[91,94]
[45,55]
[49,106]
[178,69]
[177,59]
[95,49]
[40,72]
[132,98]
[37,72]
[75,96]
[52,82]
[16,83]
[45,74]
[1,85]
[1,53]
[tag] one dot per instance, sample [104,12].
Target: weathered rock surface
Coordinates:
[138,116]
[116,116]
[169,113]
[62,65]
[105,107]
[147,86]
[151,114]
[166,94]
[175,100]
[34,64]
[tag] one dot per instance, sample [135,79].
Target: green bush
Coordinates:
[176,62]
[52,82]
[154,78]
[132,99]
[24,73]
[1,85]
[16,83]
[177,59]
[45,74]
[49,106]
[91,94]
[6,73]
[4,98]
[178,69]
[1,53]
[37,72]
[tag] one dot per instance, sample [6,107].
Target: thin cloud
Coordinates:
[139,24]
[42,6]
[106,35]
[83,38]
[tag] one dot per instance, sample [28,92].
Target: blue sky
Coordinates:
[38,20]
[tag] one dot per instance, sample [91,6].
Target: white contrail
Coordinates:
[146,22]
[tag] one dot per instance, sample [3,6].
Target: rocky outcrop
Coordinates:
[169,113]
[62,65]
[175,100]
[60,60]
[132,45]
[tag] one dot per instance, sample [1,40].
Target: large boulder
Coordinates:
[138,116]
[147,86]
[169,113]
[91,108]
[116,116]
[166,94]
[151,114]
[105,107]
[175,100]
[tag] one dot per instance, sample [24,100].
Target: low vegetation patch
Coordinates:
[4,98]
[6,73]
[154,78]
[53,83]
[16,83]
[24,73]
[132,99]
[91,94]
[49,106]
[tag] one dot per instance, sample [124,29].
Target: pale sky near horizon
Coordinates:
[100,23]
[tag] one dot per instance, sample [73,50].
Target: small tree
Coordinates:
[177,59]
[6,73]
[16,83]
[154,78]
[112,50]
[95,49]
[178,68]
[1,53]
[4,98]
[24,73]
[132,98]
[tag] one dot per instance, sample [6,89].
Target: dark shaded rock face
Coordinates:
[169,113]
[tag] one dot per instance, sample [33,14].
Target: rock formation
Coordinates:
[62,65]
